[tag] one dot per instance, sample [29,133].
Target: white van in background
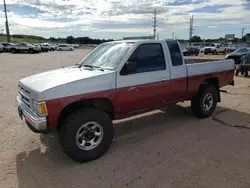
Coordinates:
[65,47]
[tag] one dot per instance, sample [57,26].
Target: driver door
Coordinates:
[145,87]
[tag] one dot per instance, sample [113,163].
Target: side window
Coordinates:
[148,57]
[175,53]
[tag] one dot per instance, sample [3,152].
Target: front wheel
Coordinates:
[215,52]
[86,134]
[204,103]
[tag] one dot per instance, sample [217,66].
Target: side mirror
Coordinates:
[129,68]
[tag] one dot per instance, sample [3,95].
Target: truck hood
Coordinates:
[47,80]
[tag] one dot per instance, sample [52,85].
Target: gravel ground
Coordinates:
[162,148]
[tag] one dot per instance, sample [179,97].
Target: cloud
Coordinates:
[89,17]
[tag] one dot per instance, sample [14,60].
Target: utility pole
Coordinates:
[6,22]
[191,29]
[158,35]
[242,33]
[154,26]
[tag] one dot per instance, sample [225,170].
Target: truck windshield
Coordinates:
[107,55]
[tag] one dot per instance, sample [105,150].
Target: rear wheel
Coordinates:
[86,134]
[237,73]
[205,53]
[215,52]
[204,103]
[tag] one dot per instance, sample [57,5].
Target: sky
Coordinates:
[124,18]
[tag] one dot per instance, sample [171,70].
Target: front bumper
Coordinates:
[35,123]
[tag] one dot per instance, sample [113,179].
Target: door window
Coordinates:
[148,57]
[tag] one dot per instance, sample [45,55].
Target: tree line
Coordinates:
[197,38]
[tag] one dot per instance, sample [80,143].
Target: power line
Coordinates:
[191,29]
[154,26]
[6,22]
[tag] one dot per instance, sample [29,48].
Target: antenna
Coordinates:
[59,51]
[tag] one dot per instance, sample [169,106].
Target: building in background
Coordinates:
[229,37]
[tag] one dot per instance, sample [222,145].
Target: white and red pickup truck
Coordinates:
[117,80]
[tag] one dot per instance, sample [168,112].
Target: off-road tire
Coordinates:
[198,101]
[70,127]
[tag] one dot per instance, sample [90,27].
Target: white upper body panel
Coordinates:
[209,67]
[68,81]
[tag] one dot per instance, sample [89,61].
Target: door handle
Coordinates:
[164,79]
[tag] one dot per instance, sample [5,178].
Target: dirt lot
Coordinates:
[163,148]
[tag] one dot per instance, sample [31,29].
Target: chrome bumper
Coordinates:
[35,123]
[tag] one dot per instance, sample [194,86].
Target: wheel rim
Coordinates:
[89,135]
[208,101]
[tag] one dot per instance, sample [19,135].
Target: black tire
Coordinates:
[13,50]
[214,52]
[31,51]
[237,73]
[205,53]
[52,49]
[73,123]
[197,103]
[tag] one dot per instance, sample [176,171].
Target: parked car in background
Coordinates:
[75,45]
[237,54]
[25,47]
[49,46]
[215,48]
[190,51]
[7,46]
[65,47]
[1,48]
[117,80]
[43,48]
[231,48]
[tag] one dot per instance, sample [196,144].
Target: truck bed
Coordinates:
[222,70]
[198,59]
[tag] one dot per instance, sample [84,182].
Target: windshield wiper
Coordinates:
[78,65]
[93,66]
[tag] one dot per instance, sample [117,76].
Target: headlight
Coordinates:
[41,108]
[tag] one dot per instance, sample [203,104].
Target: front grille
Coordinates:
[25,96]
